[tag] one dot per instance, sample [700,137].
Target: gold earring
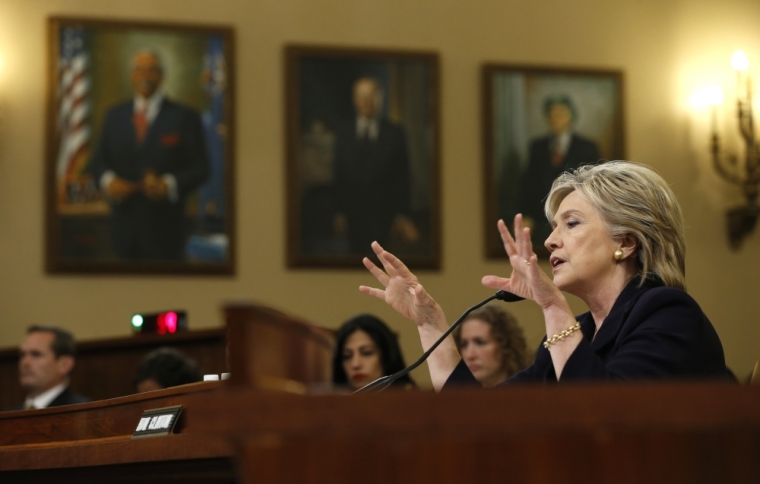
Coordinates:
[618,254]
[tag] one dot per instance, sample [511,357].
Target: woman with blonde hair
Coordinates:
[492,344]
[617,243]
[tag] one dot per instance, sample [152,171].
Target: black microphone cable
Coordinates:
[384,382]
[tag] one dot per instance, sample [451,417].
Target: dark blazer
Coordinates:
[541,173]
[652,332]
[67,397]
[371,182]
[174,144]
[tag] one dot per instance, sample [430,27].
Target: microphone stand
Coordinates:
[384,382]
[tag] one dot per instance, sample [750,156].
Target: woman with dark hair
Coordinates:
[165,367]
[492,345]
[366,350]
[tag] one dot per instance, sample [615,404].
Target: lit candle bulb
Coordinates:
[709,96]
[740,63]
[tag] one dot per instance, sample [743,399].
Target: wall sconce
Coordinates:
[741,220]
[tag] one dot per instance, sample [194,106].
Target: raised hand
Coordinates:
[527,279]
[402,292]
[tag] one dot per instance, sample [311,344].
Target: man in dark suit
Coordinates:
[151,155]
[550,155]
[46,358]
[372,175]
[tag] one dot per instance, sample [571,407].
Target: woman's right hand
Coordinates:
[403,292]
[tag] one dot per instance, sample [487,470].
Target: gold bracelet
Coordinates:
[562,334]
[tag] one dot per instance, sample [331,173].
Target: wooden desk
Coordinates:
[675,432]
[91,442]
[637,433]
[654,433]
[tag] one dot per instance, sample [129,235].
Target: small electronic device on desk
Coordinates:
[167,322]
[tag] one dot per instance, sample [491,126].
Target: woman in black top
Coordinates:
[617,243]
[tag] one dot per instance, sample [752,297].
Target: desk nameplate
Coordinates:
[157,422]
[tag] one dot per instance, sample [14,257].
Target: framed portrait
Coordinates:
[537,123]
[362,148]
[139,148]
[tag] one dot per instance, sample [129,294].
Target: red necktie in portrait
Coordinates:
[557,155]
[140,120]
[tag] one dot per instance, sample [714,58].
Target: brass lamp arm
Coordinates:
[746,125]
[729,176]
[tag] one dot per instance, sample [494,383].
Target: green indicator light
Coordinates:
[137,321]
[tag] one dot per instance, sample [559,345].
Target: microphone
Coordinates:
[384,382]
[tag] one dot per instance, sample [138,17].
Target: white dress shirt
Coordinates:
[150,106]
[562,142]
[368,127]
[45,398]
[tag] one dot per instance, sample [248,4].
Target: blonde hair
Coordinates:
[635,201]
[508,334]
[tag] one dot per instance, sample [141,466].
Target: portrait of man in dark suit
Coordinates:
[140,158]
[150,156]
[540,122]
[372,174]
[363,156]
[550,155]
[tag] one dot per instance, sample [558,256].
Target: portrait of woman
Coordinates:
[492,345]
[366,349]
[617,243]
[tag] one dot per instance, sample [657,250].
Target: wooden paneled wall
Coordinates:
[106,368]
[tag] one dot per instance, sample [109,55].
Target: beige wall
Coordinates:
[664,48]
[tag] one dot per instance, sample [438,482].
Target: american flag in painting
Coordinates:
[74,107]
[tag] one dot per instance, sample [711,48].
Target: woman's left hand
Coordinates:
[527,279]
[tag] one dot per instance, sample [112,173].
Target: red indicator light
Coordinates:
[161,323]
[170,321]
